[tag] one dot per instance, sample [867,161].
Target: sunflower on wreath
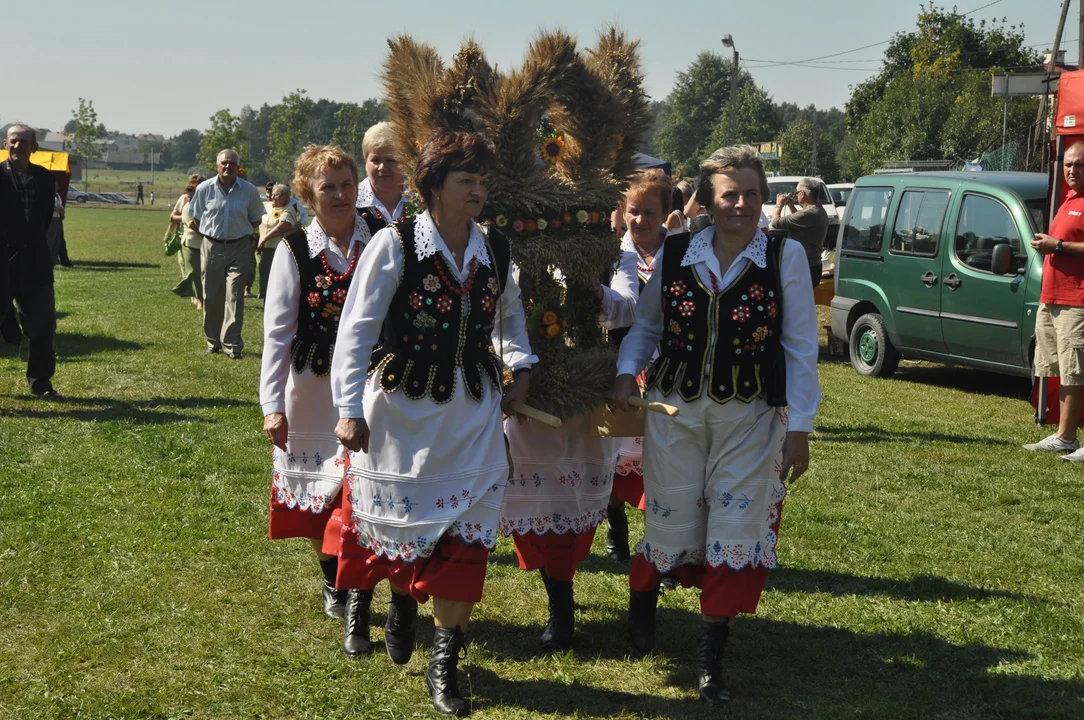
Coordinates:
[553,148]
[546,321]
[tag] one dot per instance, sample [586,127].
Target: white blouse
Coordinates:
[375,283]
[800,337]
[283,304]
[368,198]
[620,296]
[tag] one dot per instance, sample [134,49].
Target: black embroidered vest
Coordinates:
[746,360]
[618,334]
[431,331]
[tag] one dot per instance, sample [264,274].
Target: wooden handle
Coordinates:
[535,414]
[654,406]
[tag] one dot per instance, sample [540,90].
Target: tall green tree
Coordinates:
[752,118]
[184,149]
[694,108]
[225,133]
[932,100]
[351,122]
[287,136]
[796,157]
[85,135]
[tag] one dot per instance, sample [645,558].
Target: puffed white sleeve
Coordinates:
[279,328]
[619,299]
[515,350]
[367,302]
[639,345]
[800,345]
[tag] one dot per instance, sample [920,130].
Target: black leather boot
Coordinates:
[356,623]
[642,607]
[562,622]
[400,628]
[617,534]
[709,663]
[441,676]
[334,602]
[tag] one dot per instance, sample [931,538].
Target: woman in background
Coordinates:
[191,284]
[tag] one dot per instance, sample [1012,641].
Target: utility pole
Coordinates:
[1080,44]
[728,41]
[1040,120]
[814,169]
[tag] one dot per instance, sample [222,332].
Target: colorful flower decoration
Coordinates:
[315,299]
[741,313]
[687,308]
[675,327]
[323,282]
[530,226]
[444,303]
[502,221]
[517,226]
[555,223]
[487,303]
[493,285]
[338,295]
[424,321]
[581,217]
[567,218]
[415,300]
[542,224]
[593,217]
[552,330]
[760,333]
[553,149]
[431,283]
[549,317]
[678,288]
[756,293]
[773,309]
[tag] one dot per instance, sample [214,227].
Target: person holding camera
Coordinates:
[807,223]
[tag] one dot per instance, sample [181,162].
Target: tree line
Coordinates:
[930,101]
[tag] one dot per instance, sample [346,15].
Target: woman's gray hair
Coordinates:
[280,190]
[686,188]
[728,159]
[376,137]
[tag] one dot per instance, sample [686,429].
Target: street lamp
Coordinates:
[728,41]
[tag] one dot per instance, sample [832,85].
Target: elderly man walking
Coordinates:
[1059,322]
[27,195]
[808,223]
[225,210]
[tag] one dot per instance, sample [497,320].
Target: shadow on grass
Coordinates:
[978,382]
[786,669]
[920,588]
[111,265]
[872,434]
[593,563]
[141,412]
[75,345]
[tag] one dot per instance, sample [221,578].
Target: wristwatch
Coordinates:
[1059,249]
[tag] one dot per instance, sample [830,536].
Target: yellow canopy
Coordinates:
[54,161]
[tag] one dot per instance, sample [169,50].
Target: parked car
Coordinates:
[939,266]
[76,195]
[119,198]
[840,192]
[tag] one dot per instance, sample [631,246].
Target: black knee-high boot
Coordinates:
[617,534]
[642,607]
[562,622]
[441,676]
[356,623]
[709,663]
[400,628]
[334,600]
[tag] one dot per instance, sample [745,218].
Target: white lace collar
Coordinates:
[427,241]
[319,241]
[700,248]
[368,198]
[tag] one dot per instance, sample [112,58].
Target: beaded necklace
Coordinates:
[439,260]
[335,277]
[380,215]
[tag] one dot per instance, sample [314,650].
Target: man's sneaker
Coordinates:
[1074,457]
[1053,444]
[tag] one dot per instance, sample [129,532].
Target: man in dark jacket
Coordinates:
[26,269]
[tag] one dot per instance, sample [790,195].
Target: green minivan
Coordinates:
[939,266]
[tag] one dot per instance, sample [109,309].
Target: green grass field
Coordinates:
[929,567]
[167,187]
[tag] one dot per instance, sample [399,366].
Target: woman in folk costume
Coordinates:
[311,273]
[733,316]
[381,192]
[558,496]
[418,391]
[644,210]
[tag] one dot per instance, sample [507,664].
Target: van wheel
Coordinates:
[872,353]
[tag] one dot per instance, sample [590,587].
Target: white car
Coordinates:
[841,193]
[788,184]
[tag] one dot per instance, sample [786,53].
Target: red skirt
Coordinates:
[630,488]
[558,555]
[455,571]
[294,522]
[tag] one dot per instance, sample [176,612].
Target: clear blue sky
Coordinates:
[157,67]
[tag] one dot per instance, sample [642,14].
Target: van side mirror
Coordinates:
[1001,258]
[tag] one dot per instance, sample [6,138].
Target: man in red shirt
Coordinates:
[1059,323]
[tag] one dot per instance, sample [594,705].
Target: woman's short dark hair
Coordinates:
[677,200]
[448,151]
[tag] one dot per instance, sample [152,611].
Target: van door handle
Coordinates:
[929,279]
[952,281]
